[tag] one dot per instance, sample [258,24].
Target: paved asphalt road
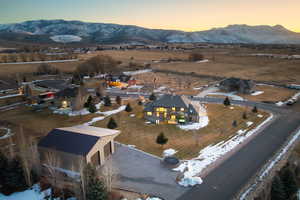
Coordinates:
[227,179]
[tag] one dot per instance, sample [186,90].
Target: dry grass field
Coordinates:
[271,93]
[256,68]
[12,69]
[134,131]
[139,56]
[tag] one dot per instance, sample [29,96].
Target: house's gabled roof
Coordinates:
[67,92]
[52,84]
[69,142]
[169,101]
[91,130]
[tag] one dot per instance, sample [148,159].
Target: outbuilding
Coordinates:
[73,146]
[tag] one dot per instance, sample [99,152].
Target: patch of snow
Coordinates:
[202,61]
[280,103]
[161,88]
[233,96]
[241,131]
[231,108]
[190,181]
[34,193]
[169,152]
[256,93]
[260,116]
[8,133]
[132,115]
[210,154]
[135,87]
[197,88]
[203,121]
[249,123]
[106,114]
[71,113]
[66,38]
[137,72]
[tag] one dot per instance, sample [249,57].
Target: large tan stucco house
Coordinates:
[77,145]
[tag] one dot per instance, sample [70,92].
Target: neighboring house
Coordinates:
[71,147]
[172,109]
[237,85]
[51,85]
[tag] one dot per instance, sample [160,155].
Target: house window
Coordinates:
[165,115]
[64,104]
[181,109]
[149,113]
[173,117]
[161,109]
[173,109]
[157,114]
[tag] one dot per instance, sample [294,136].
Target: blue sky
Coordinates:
[167,14]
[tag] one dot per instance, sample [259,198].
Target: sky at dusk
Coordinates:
[188,15]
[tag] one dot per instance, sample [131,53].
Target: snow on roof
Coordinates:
[91,130]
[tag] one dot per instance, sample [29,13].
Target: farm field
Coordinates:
[188,143]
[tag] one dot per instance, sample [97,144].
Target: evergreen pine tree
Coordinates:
[118,100]
[289,182]
[161,139]
[128,108]
[254,110]
[15,180]
[92,108]
[112,124]
[152,97]
[95,189]
[88,102]
[107,101]
[226,102]
[234,123]
[3,168]
[277,190]
[245,115]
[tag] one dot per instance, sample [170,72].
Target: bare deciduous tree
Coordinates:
[52,161]
[109,175]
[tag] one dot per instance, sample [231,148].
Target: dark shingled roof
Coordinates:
[67,93]
[52,84]
[69,142]
[169,101]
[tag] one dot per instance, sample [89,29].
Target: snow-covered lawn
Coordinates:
[256,93]
[8,133]
[106,114]
[191,169]
[33,193]
[203,121]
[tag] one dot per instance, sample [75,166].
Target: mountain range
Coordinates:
[50,31]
